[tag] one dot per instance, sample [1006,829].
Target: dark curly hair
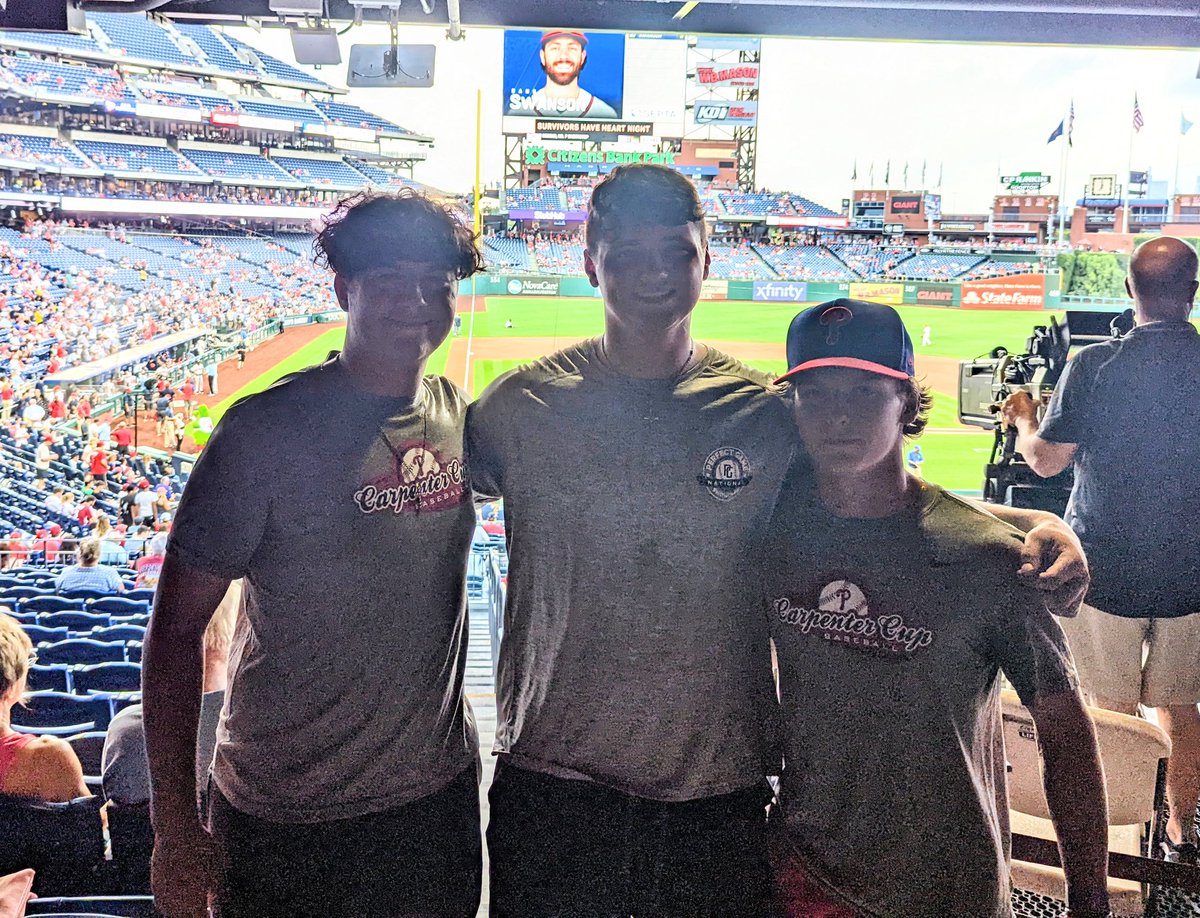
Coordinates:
[375,229]
[918,403]
[641,195]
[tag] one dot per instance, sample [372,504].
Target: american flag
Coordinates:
[1138,120]
[1071,124]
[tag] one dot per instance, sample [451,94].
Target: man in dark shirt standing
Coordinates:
[1124,413]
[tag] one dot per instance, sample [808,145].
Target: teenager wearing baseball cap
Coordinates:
[894,611]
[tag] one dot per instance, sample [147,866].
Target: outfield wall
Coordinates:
[1017,291]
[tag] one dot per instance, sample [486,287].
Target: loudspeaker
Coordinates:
[385,65]
[42,16]
[316,46]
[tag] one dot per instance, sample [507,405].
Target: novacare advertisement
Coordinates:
[780,292]
[532,285]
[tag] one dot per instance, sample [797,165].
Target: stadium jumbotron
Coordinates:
[168,175]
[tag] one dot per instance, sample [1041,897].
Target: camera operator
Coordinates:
[1125,413]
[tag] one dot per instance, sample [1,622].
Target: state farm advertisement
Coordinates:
[1018,291]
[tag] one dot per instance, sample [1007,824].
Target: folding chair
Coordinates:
[1134,754]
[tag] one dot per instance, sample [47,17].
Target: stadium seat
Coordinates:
[132,844]
[89,747]
[24,618]
[119,633]
[40,634]
[76,621]
[85,594]
[54,678]
[61,714]
[62,842]
[122,605]
[1133,752]
[133,651]
[93,907]
[24,592]
[81,652]
[106,678]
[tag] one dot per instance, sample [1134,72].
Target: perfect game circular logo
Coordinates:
[726,471]
[515,286]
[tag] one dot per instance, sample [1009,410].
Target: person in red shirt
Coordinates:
[87,511]
[84,409]
[99,463]
[6,400]
[52,543]
[123,438]
[57,409]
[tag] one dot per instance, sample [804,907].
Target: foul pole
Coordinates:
[477,226]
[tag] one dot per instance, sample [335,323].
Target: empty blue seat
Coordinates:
[81,652]
[133,651]
[119,633]
[107,677]
[51,604]
[25,618]
[121,605]
[24,592]
[54,678]
[57,712]
[42,635]
[89,747]
[62,842]
[76,621]
[147,595]
[94,906]
[86,594]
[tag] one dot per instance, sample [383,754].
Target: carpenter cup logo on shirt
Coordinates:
[419,478]
[726,471]
[843,616]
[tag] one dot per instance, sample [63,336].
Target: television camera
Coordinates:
[984,384]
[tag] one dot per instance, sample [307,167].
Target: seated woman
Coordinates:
[40,767]
[89,574]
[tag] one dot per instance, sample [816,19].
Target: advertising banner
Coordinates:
[957,226]
[536,156]
[726,112]
[714,289]
[779,292]
[532,285]
[934,294]
[553,216]
[739,76]
[892,294]
[1018,291]
[829,222]
[564,127]
[545,74]
[906,204]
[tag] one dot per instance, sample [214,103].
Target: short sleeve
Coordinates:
[1031,648]
[483,447]
[223,511]
[1068,416]
[125,773]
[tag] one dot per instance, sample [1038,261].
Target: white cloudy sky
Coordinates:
[982,110]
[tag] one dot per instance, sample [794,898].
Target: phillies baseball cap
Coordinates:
[850,333]
[564,33]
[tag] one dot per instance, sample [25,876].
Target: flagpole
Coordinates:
[1178,147]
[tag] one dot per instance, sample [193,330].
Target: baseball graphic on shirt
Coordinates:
[416,463]
[843,596]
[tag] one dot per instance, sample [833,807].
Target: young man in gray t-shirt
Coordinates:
[345,772]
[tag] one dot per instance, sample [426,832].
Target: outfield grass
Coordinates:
[953,458]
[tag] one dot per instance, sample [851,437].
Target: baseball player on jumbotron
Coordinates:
[563,56]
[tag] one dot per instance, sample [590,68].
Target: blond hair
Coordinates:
[89,551]
[218,636]
[15,648]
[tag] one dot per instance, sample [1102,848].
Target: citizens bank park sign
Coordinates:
[743,76]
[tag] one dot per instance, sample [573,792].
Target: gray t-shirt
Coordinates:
[631,654]
[891,635]
[347,514]
[124,768]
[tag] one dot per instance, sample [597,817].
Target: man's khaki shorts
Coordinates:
[1150,661]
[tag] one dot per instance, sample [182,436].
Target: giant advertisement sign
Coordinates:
[549,216]
[716,111]
[892,294]
[564,73]
[779,292]
[906,204]
[1018,291]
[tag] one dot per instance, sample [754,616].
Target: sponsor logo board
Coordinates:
[779,292]
[532,285]
[892,294]
[1019,291]
[726,112]
[742,75]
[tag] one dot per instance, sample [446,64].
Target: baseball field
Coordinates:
[753,332]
